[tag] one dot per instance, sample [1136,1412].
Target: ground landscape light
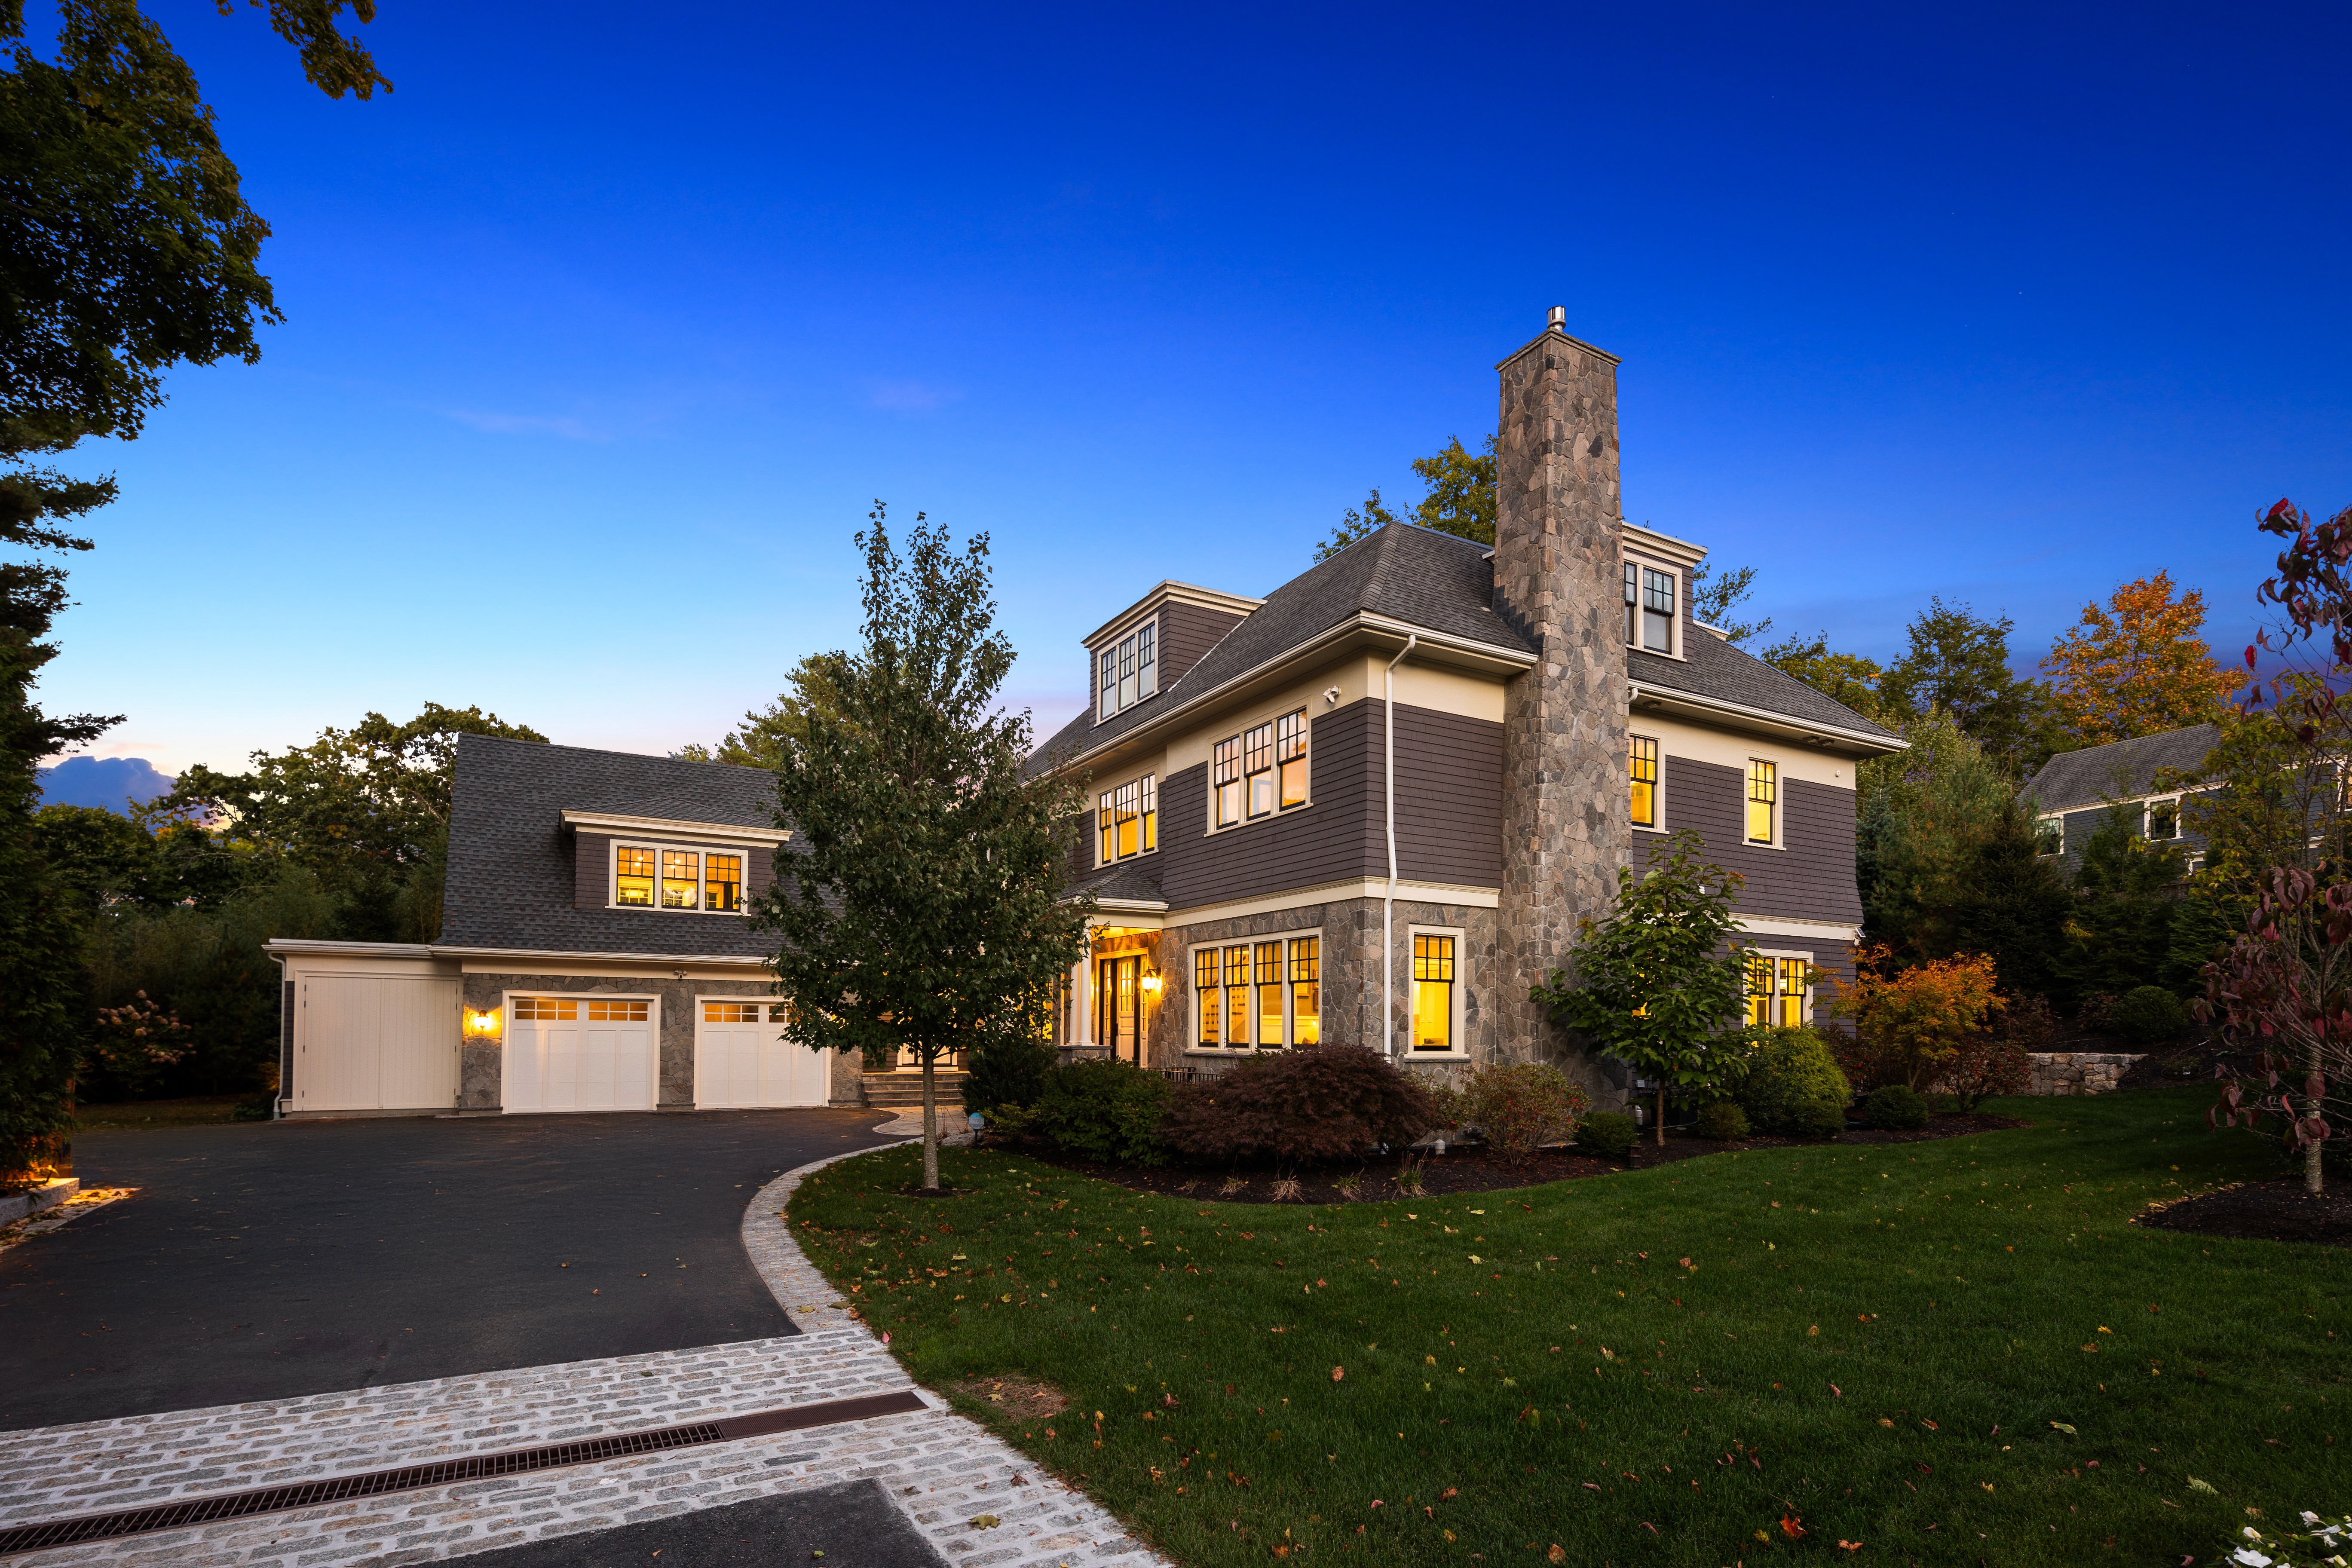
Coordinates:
[480,1025]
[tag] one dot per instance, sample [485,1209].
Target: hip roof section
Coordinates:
[2120,769]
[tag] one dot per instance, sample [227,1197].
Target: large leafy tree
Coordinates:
[919,907]
[1849,677]
[1656,982]
[1958,662]
[2137,664]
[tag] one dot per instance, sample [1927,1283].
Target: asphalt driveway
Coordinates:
[273,1259]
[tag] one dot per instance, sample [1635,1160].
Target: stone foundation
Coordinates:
[2078,1072]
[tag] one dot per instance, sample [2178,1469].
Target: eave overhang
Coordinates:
[1781,726]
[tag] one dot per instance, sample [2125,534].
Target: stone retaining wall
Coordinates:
[2078,1072]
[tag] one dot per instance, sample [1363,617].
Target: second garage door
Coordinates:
[743,1060]
[579,1053]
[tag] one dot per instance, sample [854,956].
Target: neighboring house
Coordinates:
[2072,793]
[1555,711]
[595,955]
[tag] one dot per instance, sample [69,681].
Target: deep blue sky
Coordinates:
[606,327]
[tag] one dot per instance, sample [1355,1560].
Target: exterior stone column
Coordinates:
[1558,578]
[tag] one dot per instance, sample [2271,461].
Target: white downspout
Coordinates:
[1387,903]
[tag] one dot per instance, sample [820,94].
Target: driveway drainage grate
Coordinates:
[474,1468]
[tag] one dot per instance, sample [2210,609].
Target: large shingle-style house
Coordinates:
[1372,805]
[2073,794]
[595,955]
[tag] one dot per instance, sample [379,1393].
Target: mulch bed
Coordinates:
[2273,1210]
[1461,1169]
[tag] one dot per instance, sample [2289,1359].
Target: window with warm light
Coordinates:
[1642,767]
[722,883]
[1263,994]
[549,1009]
[1290,758]
[633,877]
[1129,818]
[1258,769]
[1763,800]
[678,879]
[1432,993]
[1780,988]
[1259,772]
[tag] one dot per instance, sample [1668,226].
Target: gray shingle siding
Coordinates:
[1811,878]
[1187,633]
[518,878]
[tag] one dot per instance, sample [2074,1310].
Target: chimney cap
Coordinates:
[1558,320]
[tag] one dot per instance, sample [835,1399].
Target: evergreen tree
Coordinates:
[2012,905]
[2127,897]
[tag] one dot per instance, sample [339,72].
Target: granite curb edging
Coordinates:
[49,1195]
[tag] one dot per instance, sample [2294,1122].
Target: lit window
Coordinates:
[619,1012]
[559,1009]
[1649,608]
[1208,991]
[1644,768]
[1432,993]
[2164,819]
[1151,812]
[678,879]
[1269,993]
[1763,797]
[633,877]
[1257,768]
[1778,989]
[1306,991]
[1227,763]
[1790,1002]
[1759,988]
[1290,756]
[730,1011]
[1129,671]
[1109,820]
[722,883]
[1237,996]
[1129,819]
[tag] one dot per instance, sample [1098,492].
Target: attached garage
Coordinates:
[741,1060]
[580,1053]
[373,1042]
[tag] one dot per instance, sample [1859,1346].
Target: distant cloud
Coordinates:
[522,424]
[109,782]
[908,396]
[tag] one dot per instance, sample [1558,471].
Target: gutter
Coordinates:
[1388,901]
[279,947]
[1715,707]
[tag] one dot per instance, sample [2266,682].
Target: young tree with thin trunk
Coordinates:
[917,905]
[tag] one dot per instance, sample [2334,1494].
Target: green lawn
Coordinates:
[1881,1343]
[138,1114]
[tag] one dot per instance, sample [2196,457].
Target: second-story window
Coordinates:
[1290,756]
[1649,608]
[1261,771]
[1225,760]
[2164,819]
[1643,767]
[1763,800]
[1257,768]
[2050,837]
[722,883]
[1130,818]
[646,876]
[1130,671]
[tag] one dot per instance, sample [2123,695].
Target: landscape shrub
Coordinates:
[1895,1108]
[1315,1102]
[2096,1013]
[1792,1085]
[1723,1121]
[1520,1107]
[1009,1071]
[1608,1133]
[2148,1014]
[1915,1018]
[1105,1110]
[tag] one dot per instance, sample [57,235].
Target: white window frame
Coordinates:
[1657,786]
[1192,1046]
[1239,739]
[1780,839]
[1137,653]
[1682,603]
[1146,788]
[612,877]
[1461,1051]
[2047,821]
[1776,954]
[2147,817]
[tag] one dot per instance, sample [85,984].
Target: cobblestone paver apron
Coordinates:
[942,1469]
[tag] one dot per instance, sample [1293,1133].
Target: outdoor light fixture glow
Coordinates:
[1151,982]
[481,1026]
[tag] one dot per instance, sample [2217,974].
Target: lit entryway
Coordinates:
[579,1053]
[742,1060]
[375,1043]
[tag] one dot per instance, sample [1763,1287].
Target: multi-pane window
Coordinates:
[1130,818]
[1763,800]
[1261,771]
[2164,819]
[1290,756]
[1643,768]
[619,1012]
[1225,761]
[647,876]
[1649,608]
[1432,993]
[557,1009]
[730,1011]
[1130,671]
[1778,988]
[2050,837]
[1267,992]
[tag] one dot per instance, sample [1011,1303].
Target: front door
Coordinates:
[1118,1006]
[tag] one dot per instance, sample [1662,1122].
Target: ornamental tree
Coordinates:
[918,906]
[1655,983]
[1915,1022]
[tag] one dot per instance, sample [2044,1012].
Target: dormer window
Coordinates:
[1649,608]
[1129,671]
[663,875]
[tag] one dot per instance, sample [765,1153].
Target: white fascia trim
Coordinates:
[1650,541]
[1825,931]
[662,826]
[1778,724]
[1471,897]
[1166,591]
[1501,658]
[296,947]
[668,959]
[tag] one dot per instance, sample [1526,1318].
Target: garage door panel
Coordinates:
[741,1060]
[366,1042]
[568,1053]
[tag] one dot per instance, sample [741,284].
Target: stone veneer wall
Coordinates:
[1558,577]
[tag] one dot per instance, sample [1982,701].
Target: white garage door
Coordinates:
[742,1058]
[366,1042]
[579,1053]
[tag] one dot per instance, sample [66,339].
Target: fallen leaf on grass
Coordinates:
[1337,1373]
[2062,1427]
[1556,1554]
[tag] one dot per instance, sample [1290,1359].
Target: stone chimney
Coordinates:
[1558,578]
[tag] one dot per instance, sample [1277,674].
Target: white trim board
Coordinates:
[1823,931]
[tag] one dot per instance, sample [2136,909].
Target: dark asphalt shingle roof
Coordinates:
[510,876]
[2119,770]
[1714,667]
[1133,879]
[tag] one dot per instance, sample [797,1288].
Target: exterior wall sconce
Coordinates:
[481,1025]
[1151,982]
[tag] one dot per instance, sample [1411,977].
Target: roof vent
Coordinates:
[1558,321]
